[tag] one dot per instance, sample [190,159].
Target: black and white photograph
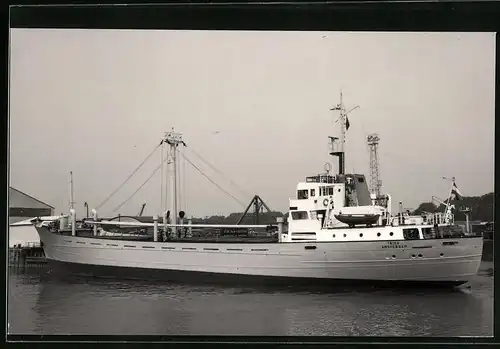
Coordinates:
[250,183]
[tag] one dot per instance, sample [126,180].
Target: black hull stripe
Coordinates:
[190,277]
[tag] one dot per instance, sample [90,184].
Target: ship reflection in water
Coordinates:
[41,304]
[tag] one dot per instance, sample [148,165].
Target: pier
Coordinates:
[30,255]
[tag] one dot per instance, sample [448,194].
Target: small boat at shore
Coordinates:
[336,233]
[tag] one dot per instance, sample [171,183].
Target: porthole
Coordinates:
[413,256]
[378,234]
[361,235]
[345,235]
[420,256]
[393,256]
[333,235]
[391,233]
[441,254]
[338,190]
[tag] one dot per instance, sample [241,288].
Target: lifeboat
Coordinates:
[359,215]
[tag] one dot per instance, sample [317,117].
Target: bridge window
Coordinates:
[411,234]
[429,233]
[299,215]
[302,194]
[313,192]
[326,191]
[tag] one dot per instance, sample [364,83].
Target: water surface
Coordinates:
[40,303]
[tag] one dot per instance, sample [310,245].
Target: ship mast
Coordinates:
[162,206]
[173,140]
[336,144]
[342,127]
[71,196]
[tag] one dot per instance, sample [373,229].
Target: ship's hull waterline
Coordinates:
[430,262]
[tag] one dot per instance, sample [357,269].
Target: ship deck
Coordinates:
[193,239]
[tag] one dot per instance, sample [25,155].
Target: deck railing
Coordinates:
[427,219]
[184,230]
[438,218]
[28,244]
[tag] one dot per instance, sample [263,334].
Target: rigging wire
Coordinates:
[181,180]
[130,176]
[178,179]
[137,190]
[218,186]
[184,177]
[220,172]
[167,160]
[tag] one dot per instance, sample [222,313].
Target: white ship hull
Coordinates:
[433,261]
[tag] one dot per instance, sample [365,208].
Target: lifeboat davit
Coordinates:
[359,215]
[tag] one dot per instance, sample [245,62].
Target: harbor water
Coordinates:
[40,303]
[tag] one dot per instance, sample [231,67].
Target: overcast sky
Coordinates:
[98,101]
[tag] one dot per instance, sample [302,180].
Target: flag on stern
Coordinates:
[455,192]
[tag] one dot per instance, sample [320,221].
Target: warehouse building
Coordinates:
[23,206]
